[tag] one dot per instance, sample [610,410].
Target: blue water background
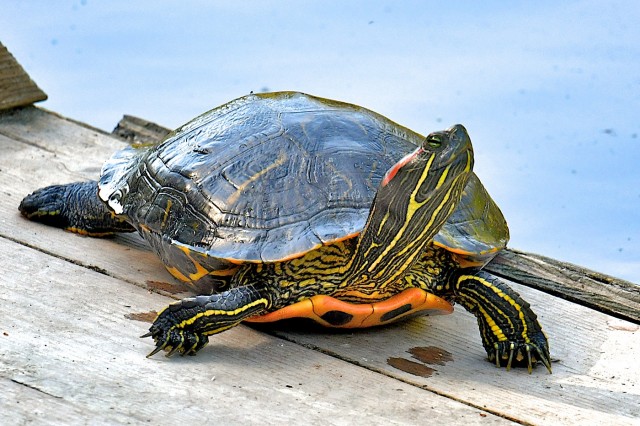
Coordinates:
[549,90]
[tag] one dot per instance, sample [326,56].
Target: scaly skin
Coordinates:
[74,207]
[510,331]
[184,326]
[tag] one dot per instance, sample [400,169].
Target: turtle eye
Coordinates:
[433,141]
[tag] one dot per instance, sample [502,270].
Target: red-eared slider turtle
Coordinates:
[283,205]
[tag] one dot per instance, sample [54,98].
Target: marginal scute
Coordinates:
[476,230]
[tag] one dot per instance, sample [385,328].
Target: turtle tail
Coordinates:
[74,207]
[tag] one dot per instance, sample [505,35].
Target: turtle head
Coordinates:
[413,201]
[433,176]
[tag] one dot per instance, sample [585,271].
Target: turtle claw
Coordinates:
[183,342]
[511,352]
[173,350]
[197,345]
[545,359]
[169,336]
[518,350]
[155,351]
[529,366]
[514,354]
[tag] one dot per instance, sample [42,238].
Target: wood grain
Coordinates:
[138,131]
[16,87]
[598,291]
[65,336]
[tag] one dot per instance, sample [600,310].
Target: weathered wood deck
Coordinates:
[69,352]
[70,315]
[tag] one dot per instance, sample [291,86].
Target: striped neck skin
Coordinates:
[414,200]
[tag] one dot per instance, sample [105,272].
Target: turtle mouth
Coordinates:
[458,161]
[455,143]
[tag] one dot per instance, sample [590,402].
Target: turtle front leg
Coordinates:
[184,326]
[511,333]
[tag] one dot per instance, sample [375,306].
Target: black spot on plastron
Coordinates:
[395,313]
[337,318]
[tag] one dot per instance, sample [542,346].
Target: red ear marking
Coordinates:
[393,170]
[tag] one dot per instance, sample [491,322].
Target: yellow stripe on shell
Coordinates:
[279,161]
[166,214]
[177,274]
[200,270]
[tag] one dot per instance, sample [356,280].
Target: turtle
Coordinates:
[285,205]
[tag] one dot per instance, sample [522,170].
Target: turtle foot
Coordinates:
[184,326]
[510,331]
[520,354]
[171,335]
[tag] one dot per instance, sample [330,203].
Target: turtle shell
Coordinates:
[269,177]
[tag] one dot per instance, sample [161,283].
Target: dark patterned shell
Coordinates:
[271,176]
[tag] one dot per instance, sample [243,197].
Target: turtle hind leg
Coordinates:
[510,331]
[74,207]
[184,326]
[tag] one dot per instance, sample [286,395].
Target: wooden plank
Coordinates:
[69,318]
[40,167]
[138,131]
[67,343]
[22,404]
[571,282]
[16,87]
[594,380]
